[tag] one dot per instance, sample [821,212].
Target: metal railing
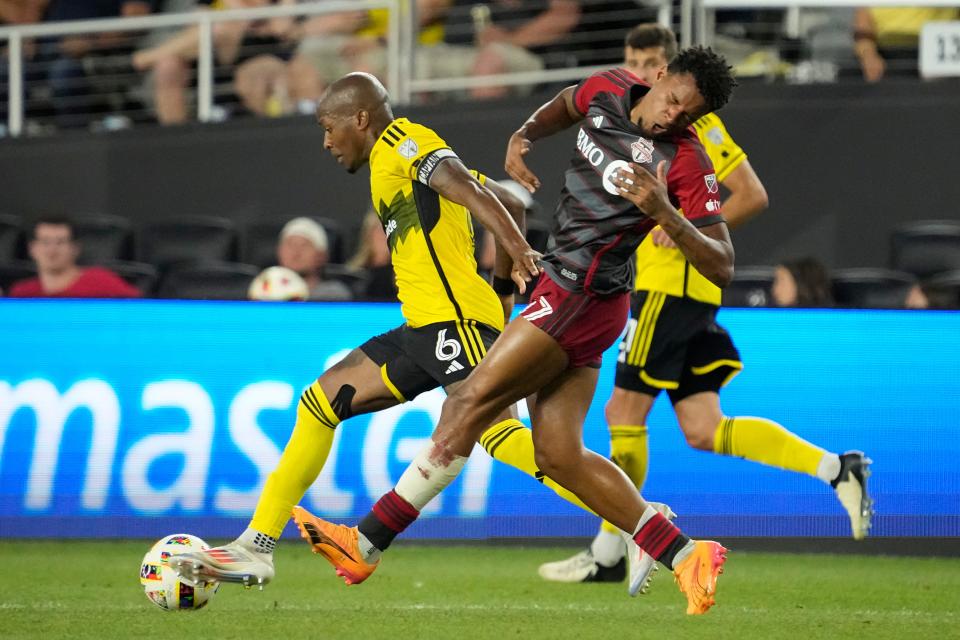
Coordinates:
[400,23]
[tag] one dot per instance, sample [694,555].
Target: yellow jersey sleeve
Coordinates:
[725,154]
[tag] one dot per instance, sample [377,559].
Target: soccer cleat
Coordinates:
[230,563]
[641,564]
[697,575]
[335,542]
[582,568]
[851,489]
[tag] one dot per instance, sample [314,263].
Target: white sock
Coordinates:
[829,467]
[257,541]
[423,479]
[607,548]
[683,553]
[648,513]
[369,552]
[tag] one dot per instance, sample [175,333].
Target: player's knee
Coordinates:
[556,459]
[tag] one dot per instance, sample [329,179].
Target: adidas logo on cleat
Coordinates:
[453,368]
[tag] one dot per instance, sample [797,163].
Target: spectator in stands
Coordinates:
[804,282]
[373,256]
[252,48]
[54,250]
[303,248]
[886,40]
[67,73]
[926,295]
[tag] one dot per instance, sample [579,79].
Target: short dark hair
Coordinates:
[713,75]
[58,220]
[652,34]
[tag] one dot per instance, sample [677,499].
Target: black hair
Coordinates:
[652,34]
[53,219]
[713,75]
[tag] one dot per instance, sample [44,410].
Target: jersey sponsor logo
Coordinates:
[390,228]
[642,150]
[537,309]
[713,205]
[408,148]
[569,275]
[711,182]
[588,149]
[453,368]
[597,121]
[608,175]
[447,348]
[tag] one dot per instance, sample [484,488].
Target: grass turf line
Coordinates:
[91,590]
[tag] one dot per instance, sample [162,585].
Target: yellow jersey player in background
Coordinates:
[424,197]
[673,343]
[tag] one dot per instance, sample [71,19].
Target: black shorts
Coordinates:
[674,344]
[416,360]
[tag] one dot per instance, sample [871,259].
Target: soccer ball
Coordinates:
[278,283]
[162,584]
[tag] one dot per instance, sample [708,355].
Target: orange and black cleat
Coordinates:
[335,542]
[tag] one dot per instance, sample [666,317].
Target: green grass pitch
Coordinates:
[91,590]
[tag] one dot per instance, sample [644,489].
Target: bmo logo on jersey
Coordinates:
[588,149]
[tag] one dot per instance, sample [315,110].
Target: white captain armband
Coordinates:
[430,162]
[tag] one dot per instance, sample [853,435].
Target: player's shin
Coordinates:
[767,442]
[301,462]
[429,473]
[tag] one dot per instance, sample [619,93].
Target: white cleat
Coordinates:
[229,563]
[582,568]
[641,564]
[851,489]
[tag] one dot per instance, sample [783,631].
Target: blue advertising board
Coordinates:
[141,418]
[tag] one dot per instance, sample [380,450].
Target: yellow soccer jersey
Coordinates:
[666,270]
[430,237]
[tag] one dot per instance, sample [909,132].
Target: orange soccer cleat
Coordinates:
[335,542]
[697,575]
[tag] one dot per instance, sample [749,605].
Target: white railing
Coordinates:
[400,22]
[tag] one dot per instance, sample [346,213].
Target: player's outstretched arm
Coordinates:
[709,248]
[452,180]
[503,265]
[554,116]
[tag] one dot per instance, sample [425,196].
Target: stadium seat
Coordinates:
[751,287]
[103,238]
[208,281]
[869,288]
[926,247]
[140,274]
[10,238]
[15,270]
[356,279]
[943,290]
[186,239]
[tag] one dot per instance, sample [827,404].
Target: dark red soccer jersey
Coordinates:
[94,282]
[596,230]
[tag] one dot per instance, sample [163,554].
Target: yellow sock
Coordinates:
[628,450]
[511,442]
[301,462]
[765,441]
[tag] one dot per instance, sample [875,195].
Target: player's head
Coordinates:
[697,82]
[647,50]
[353,111]
[53,247]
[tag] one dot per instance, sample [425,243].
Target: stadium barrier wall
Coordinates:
[142,418]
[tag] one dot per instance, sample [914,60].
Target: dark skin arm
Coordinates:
[452,180]
[552,117]
[504,263]
[708,249]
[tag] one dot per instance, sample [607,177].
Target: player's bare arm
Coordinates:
[747,198]
[554,116]
[503,264]
[708,249]
[452,180]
